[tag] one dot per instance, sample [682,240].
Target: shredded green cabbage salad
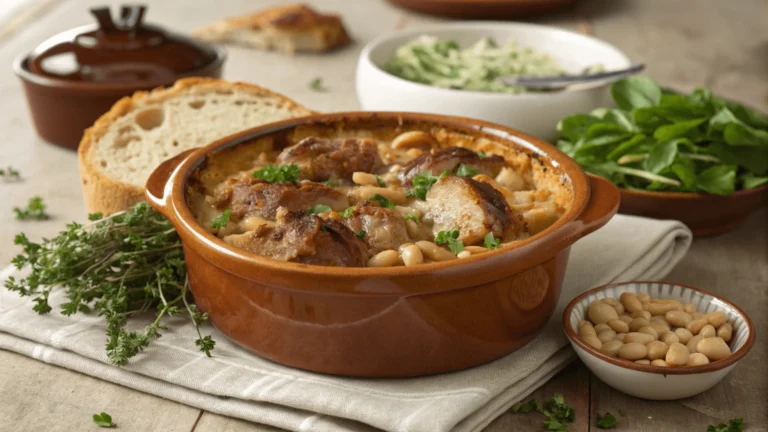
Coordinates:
[442,63]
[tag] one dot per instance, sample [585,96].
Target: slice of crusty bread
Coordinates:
[284,28]
[119,152]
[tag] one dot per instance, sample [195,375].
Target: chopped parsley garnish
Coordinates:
[35,210]
[348,212]
[491,242]
[279,173]
[466,171]
[103,420]
[482,155]
[331,183]
[733,425]
[317,85]
[360,234]
[558,414]
[380,182]
[221,220]
[422,183]
[607,421]
[324,228]
[319,208]
[10,173]
[450,238]
[383,201]
[414,217]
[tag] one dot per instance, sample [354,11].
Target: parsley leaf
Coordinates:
[450,238]
[466,171]
[380,182]
[221,220]
[279,173]
[482,155]
[10,174]
[331,183]
[360,234]
[103,420]
[733,425]
[319,208]
[558,414]
[414,217]
[383,201]
[422,183]
[348,212]
[606,421]
[491,242]
[35,210]
[317,85]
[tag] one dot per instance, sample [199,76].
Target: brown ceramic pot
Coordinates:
[108,61]
[704,214]
[383,322]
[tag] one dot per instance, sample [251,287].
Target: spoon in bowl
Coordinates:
[570,82]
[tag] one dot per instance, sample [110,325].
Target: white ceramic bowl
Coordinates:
[533,113]
[656,382]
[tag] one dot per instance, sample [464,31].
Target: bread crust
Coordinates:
[106,195]
[287,22]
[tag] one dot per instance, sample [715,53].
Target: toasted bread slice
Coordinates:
[284,28]
[119,152]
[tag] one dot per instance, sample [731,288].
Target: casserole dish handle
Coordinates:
[158,187]
[604,199]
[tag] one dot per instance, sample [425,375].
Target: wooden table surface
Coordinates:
[686,43]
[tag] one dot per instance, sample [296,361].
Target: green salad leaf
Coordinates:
[664,141]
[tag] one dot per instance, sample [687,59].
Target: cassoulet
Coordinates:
[385,198]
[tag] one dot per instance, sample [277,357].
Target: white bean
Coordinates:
[643,338]
[716,318]
[601,327]
[708,331]
[669,337]
[618,325]
[659,362]
[464,254]
[413,139]
[649,330]
[387,258]
[697,359]
[657,350]
[677,355]
[643,362]
[586,329]
[725,332]
[593,341]
[364,179]
[714,348]
[696,325]
[474,250]
[633,351]
[434,252]
[601,313]
[606,335]
[678,318]
[684,335]
[637,323]
[693,343]
[411,255]
[611,348]
[631,302]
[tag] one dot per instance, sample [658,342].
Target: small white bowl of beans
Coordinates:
[657,340]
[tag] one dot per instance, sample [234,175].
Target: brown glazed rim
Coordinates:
[22,70]
[565,231]
[661,370]
[692,195]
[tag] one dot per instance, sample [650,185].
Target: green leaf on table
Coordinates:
[719,179]
[678,130]
[103,420]
[636,92]
[661,156]
[739,134]
[751,181]
[575,126]
[733,425]
[607,421]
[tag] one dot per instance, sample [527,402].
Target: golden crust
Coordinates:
[103,194]
[285,21]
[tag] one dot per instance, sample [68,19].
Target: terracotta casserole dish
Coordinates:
[391,321]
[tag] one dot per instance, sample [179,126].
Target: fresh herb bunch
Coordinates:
[558,413]
[120,266]
[35,210]
[659,140]
[451,239]
[733,425]
[279,173]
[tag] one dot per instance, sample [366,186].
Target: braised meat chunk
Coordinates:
[473,208]
[380,227]
[448,160]
[304,238]
[254,197]
[322,159]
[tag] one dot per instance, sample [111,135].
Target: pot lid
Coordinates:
[119,49]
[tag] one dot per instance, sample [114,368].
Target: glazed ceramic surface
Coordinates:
[533,113]
[492,9]
[395,321]
[105,62]
[704,214]
[656,382]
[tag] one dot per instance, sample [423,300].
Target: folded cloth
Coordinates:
[238,384]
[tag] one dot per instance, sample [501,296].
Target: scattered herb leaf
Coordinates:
[317,85]
[733,425]
[221,220]
[319,208]
[383,201]
[103,420]
[482,155]
[414,217]
[491,242]
[380,182]
[348,212]
[331,183]
[127,263]
[279,173]
[422,183]
[360,234]
[466,171]
[10,174]
[35,210]
[558,414]
[606,421]
[450,238]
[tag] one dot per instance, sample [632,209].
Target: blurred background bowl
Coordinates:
[494,9]
[534,113]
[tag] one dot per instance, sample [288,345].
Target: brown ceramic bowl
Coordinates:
[493,9]
[704,214]
[384,322]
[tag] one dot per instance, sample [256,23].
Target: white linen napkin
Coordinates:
[238,384]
